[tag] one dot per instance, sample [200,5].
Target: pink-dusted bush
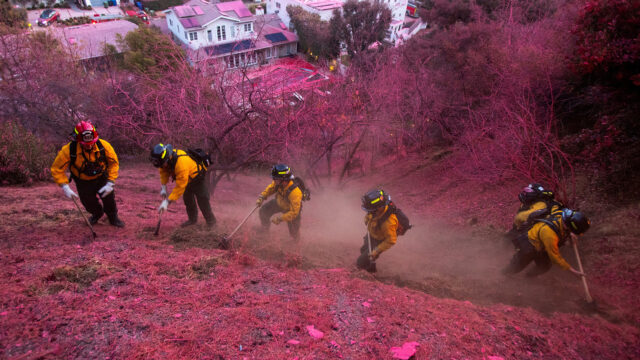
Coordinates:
[24,158]
[608,40]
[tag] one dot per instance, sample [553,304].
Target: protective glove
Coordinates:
[106,189]
[374,255]
[259,201]
[276,220]
[163,191]
[163,206]
[68,192]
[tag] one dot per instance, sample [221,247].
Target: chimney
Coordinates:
[259,10]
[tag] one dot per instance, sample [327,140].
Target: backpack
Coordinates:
[73,155]
[200,157]
[403,220]
[298,183]
[549,221]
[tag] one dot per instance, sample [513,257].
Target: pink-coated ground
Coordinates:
[177,296]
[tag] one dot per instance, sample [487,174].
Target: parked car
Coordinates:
[48,17]
[139,14]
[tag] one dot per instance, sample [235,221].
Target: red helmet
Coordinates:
[86,133]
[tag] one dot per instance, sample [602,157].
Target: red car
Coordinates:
[139,14]
[48,17]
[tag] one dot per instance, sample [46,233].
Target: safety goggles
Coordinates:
[87,136]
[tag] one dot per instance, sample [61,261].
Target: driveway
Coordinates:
[33,15]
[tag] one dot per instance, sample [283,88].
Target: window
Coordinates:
[278,5]
[193,36]
[170,22]
[222,34]
[267,53]
[210,35]
[247,27]
[185,36]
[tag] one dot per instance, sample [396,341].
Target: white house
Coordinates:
[398,13]
[228,30]
[325,8]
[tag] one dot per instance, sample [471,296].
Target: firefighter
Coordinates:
[382,228]
[542,242]
[287,203]
[94,167]
[535,202]
[191,181]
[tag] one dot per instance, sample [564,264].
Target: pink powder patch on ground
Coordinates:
[315,333]
[405,352]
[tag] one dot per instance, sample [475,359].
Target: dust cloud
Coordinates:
[462,263]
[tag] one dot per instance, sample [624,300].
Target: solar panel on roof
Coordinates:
[197,10]
[189,22]
[276,37]
[184,10]
[229,47]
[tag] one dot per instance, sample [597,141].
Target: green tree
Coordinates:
[360,24]
[313,34]
[147,50]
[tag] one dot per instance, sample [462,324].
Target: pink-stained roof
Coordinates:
[184,11]
[236,6]
[198,10]
[202,12]
[87,41]
[325,5]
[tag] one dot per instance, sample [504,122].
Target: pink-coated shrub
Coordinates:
[24,158]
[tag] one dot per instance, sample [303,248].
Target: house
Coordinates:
[325,9]
[228,31]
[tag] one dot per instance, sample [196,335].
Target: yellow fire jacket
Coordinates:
[523,215]
[542,237]
[290,205]
[186,169]
[385,232]
[63,159]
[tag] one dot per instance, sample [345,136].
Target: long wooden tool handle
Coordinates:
[584,279]
[242,223]
[158,225]
[93,233]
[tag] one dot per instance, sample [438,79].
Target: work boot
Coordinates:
[116,222]
[188,223]
[211,223]
[93,219]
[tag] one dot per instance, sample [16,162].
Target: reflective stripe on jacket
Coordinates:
[290,205]
[386,232]
[61,163]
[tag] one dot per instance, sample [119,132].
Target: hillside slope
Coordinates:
[132,295]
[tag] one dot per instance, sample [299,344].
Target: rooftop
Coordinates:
[87,41]
[196,13]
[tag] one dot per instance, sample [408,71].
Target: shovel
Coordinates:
[93,233]
[588,297]
[225,240]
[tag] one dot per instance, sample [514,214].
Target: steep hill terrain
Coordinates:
[129,294]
